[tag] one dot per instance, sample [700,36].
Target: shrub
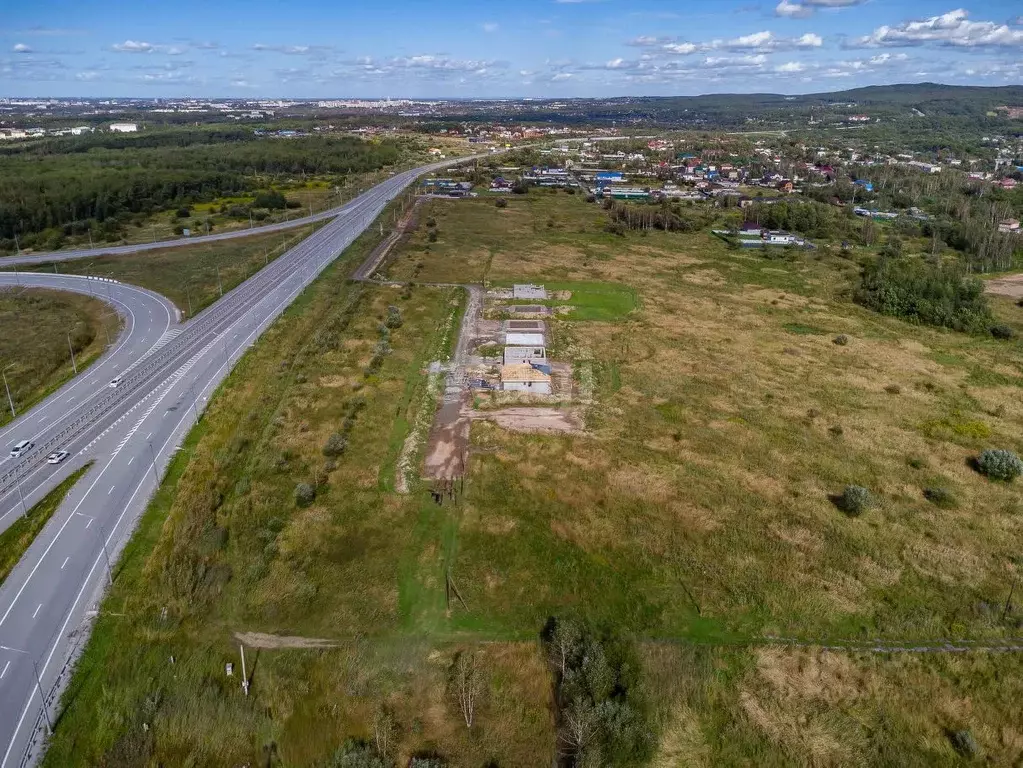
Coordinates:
[293,204]
[183,213]
[393,317]
[915,462]
[893,389]
[431,222]
[855,500]
[1019,303]
[1000,464]
[336,445]
[358,754]
[305,494]
[963,743]
[1002,331]
[432,237]
[273,200]
[500,203]
[841,340]
[591,198]
[940,497]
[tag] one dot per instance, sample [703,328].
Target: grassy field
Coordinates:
[20,535]
[34,344]
[694,513]
[188,275]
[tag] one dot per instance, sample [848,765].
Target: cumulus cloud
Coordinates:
[757,42]
[21,48]
[87,76]
[133,46]
[949,29]
[800,9]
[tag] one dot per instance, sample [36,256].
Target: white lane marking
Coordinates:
[65,562]
[131,460]
[36,611]
[149,435]
[89,523]
[8,664]
[111,489]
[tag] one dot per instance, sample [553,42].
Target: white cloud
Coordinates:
[21,48]
[949,29]
[133,46]
[757,42]
[800,9]
[490,26]
[790,67]
[87,76]
[290,50]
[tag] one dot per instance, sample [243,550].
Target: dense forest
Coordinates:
[72,185]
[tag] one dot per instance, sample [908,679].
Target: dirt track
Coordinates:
[534,419]
[1006,286]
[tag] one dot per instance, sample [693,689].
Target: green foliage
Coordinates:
[855,500]
[940,497]
[500,203]
[358,754]
[920,292]
[602,716]
[432,236]
[393,317]
[336,445]
[841,340]
[64,186]
[964,743]
[272,200]
[305,494]
[999,464]
[1003,331]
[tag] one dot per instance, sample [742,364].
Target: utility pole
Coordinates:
[90,238]
[152,453]
[250,218]
[10,401]
[245,676]
[188,295]
[46,711]
[106,556]
[17,245]
[72,349]
[219,284]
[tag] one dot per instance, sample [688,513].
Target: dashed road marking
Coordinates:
[6,666]
[65,562]
[36,612]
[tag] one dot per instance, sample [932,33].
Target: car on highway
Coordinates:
[115,381]
[57,457]
[21,447]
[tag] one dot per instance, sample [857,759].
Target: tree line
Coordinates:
[55,186]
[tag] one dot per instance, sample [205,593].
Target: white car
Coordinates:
[115,381]
[22,446]
[57,457]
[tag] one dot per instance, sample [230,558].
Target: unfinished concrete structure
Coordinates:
[525,326]
[525,378]
[519,355]
[526,291]
[524,339]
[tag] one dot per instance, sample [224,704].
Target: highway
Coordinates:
[131,432]
[149,320]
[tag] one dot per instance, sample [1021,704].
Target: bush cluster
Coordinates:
[940,497]
[999,464]
[305,494]
[855,500]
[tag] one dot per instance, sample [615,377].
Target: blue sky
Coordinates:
[487,48]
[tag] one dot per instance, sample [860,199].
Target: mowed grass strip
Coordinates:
[188,274]
[19,535]
[34,349]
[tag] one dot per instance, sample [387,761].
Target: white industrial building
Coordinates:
[124,127]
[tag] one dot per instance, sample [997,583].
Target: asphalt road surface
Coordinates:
[131,432]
